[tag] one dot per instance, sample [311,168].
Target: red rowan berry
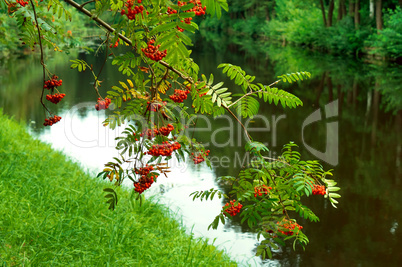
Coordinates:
[132,10]
[231,208]
[56,98]
[152,51]
[289,225]
[319,190]
[52,120]
[103,104]
[179,95]
[52,83]
[200,157]
[265,190]
[146,178]
[22,2]
[165,149]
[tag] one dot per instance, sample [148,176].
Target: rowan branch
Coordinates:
[42,62]
[163,63]
[251,93]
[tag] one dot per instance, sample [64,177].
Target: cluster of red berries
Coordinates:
[150,133]
[285,223]
[155,106]
[52,120]
[131,9]
[152,51]
[143,184]
[103,104]
[52,83]
[165,149]
[200,158]
[164,130]
[22,2]
[116,44]
[56,98]
[179,95]
[197,9]
[265,190]
[201,95]
[319,190]
[232,209]
[146,179]
[187,21]
[171,11]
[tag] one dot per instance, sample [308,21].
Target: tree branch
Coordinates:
[124,38]
[42,62]
[237,119]
[163,63]
[251,93]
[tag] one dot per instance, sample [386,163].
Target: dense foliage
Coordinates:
[341,27]
[58,35]
[160,97]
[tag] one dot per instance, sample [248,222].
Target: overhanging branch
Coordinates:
[124,38]
[129,42]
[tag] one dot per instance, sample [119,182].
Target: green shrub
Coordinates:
[389,41]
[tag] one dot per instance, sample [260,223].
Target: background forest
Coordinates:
[335,26]
[351,27]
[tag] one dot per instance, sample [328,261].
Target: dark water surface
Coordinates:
[365,230]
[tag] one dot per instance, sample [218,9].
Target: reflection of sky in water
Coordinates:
[82,136]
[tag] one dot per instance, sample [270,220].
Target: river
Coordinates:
[364,230]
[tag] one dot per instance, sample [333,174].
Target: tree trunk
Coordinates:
[398,160]
[323,12]
[330,12]
[340,97]
[372,9]
[340,10]
[351,8]
[376,104]
[267,14]
[344,11]
[330,89]
[355,92]
[320,88]
[378,15]
[357,14]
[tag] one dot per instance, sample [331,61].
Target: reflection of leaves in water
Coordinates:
[344,72]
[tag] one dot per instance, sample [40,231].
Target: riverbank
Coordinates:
[53,213]
[301,25]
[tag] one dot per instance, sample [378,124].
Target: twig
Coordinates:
[41,56]
[235,117]
[87,3]
[100,71]
[251,93]
[279,195]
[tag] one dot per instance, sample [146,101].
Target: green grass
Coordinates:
[52,213]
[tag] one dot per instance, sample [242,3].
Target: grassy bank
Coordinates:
[54,214]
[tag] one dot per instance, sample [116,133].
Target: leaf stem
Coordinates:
[237,119]
[251,93]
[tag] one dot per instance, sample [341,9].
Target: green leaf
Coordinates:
[163,28]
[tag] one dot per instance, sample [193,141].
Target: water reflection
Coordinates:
[363,231]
